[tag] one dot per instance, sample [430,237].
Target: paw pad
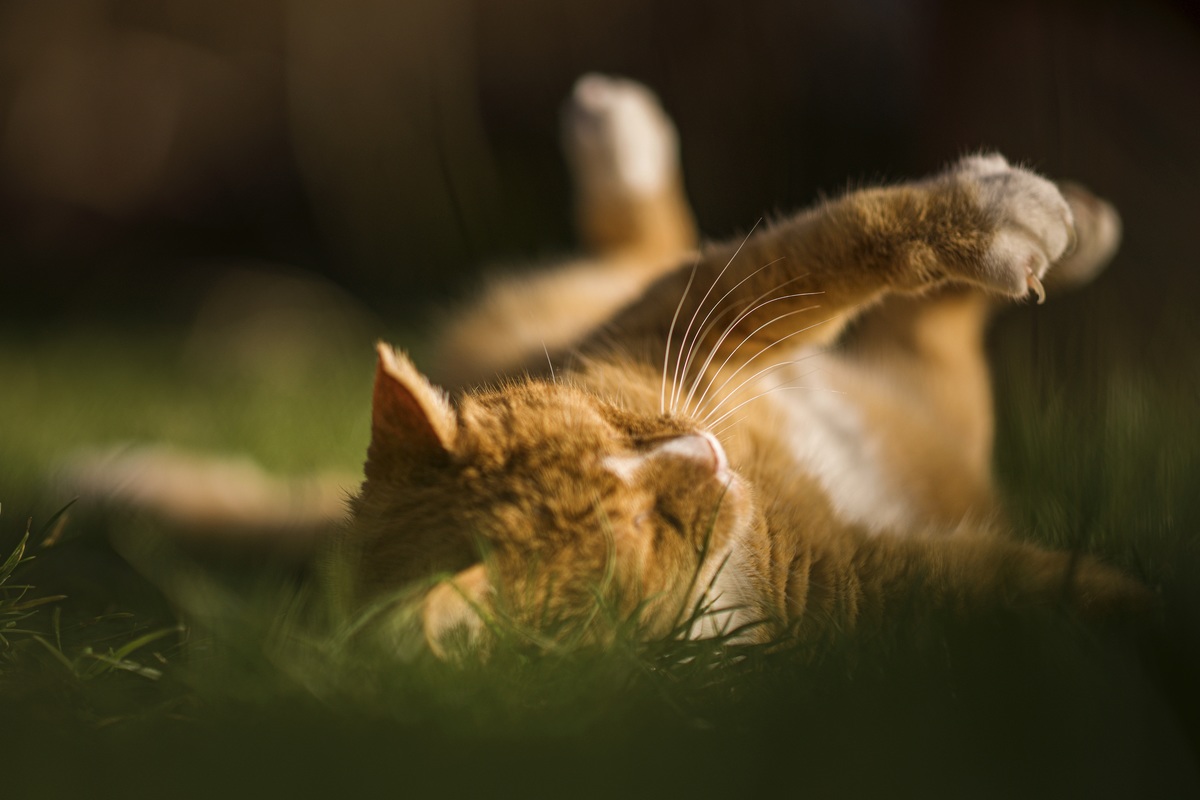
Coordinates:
[1034,225]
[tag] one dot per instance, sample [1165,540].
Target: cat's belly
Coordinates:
[828,436]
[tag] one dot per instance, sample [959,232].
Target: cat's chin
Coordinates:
[737,512]
[736,494]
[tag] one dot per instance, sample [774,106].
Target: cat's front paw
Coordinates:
[1030,222]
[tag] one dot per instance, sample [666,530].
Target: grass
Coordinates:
[189,678]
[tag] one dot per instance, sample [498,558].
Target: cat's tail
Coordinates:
[229,504]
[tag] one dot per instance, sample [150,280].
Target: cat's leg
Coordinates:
[859,579]
[983,223]
[623,153]
[916,372]
[225,502]
[928,328]
[918,368]
[1097,235]
[634,223]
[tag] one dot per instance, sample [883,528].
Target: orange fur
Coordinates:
[670,463]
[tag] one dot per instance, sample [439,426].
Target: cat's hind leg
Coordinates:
[228,504]
[917,368]
[1097,235]
[854,580]
[623,153]
[634,223]
[919,364]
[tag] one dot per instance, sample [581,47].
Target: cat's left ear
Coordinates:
[412,420]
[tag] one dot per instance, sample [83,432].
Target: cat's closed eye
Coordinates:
[672,520]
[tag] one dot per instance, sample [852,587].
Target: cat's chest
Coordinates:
[828,437]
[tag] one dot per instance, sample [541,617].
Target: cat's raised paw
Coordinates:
[1098,234]
[1032,225]
[617,138]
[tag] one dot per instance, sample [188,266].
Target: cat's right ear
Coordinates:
[412,421]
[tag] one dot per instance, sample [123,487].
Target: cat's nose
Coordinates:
[702,447]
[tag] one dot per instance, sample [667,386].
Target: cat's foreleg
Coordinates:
[982,222]
[932,330]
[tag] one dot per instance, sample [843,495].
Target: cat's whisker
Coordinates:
[704,328]
[684,343]
[728,426]
[546,350]
[754,305]
[749,336]
[738,388]
[662,397]
[704,332]
[750,308]
[721,388]
[733,395]
[700,305]
[763,394]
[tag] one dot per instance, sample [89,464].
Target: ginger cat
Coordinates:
[781,433]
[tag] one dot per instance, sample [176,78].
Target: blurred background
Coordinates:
[149,148]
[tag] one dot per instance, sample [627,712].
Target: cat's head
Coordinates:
[546,508]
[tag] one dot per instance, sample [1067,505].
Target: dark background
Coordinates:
[148,146]
[151,149]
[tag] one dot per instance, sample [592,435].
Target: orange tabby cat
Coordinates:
[785,432]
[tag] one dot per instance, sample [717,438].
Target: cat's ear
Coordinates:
[452,612]
[412,420]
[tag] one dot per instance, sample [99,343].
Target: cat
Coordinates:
[780,434]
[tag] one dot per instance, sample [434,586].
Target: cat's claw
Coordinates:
[1035,286]
[1033,225]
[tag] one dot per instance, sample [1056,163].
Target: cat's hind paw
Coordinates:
[1098,234]
[617,138]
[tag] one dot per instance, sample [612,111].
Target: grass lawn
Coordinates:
[246,682]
